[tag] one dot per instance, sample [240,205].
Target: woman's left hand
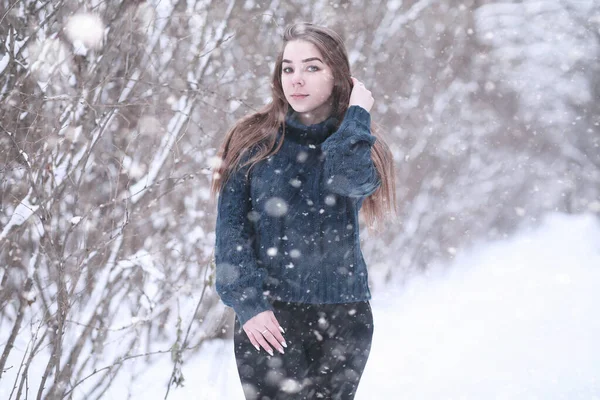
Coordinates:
[360,96]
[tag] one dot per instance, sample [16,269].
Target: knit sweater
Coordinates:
[290,231]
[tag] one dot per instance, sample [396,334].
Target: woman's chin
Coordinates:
[299,108]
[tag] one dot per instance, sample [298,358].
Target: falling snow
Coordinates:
[113,114]
[85,31]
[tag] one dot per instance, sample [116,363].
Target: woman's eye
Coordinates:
[310,68]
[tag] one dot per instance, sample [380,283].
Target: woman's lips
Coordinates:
[299,96]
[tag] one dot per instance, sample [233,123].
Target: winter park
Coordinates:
[264,199]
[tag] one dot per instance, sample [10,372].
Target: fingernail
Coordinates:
[270,352]
[281,329]
[281,351]
[257,348]
[284,344]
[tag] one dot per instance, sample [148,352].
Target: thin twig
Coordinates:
[118,361]
[187,334]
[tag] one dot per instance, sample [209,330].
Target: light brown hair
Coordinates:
[259,130]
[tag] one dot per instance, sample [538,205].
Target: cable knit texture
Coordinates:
[290,232]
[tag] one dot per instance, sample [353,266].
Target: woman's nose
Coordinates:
[297,79]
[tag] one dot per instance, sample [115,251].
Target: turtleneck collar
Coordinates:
[315,134]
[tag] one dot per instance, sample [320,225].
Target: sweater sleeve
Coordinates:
[349,169]
[239,279]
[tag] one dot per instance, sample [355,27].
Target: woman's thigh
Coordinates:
[339,348]
[281,376]
[328,347]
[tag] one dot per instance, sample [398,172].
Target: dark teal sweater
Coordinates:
[290,232]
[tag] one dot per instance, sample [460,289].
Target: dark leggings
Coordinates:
[328,348]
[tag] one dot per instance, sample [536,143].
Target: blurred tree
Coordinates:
[111,112]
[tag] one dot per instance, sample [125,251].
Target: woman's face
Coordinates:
[307,81]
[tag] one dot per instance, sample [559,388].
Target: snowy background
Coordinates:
[110,116]
[513,319]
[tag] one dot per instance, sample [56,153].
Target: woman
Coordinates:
[292,179]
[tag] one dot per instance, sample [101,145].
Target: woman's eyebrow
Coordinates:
[306,60]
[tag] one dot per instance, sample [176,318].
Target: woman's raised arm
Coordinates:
[348,167]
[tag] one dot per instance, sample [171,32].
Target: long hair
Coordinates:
[258,131]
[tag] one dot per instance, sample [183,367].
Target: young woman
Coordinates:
[293,178]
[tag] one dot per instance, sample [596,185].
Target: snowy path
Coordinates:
[513,320]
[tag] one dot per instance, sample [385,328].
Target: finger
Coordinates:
[252,339]
[261,340]
[274,319]
[278,334]
[269,334]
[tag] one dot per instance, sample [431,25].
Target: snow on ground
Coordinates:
[515,319]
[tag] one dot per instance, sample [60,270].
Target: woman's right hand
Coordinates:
[263,329]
